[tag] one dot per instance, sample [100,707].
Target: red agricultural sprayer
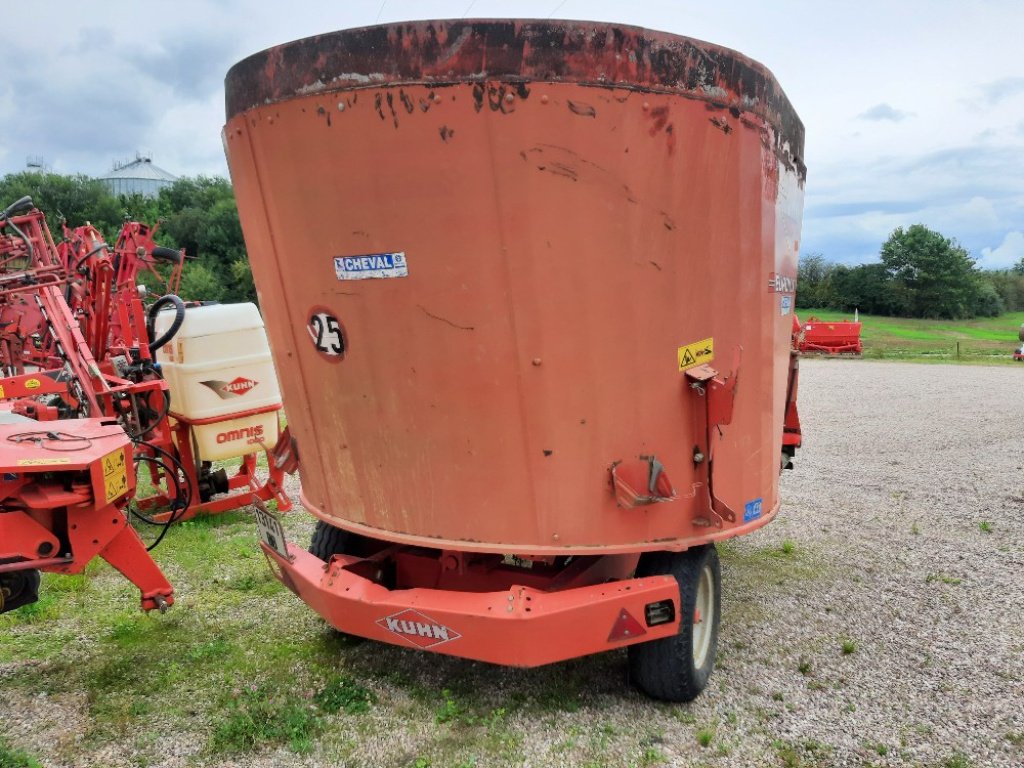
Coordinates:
[87,416]
[532,282]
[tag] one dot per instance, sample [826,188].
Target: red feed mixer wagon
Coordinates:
[529,286]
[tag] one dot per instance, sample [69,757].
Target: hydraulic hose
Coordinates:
[179,318]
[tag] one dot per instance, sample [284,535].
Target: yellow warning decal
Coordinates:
[41,462]
[32,383]
[698,353]
[115,474]
[2,391]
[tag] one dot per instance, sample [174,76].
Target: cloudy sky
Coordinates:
[914,109]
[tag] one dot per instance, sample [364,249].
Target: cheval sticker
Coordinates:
[372,265]
[417,628]
[695,354]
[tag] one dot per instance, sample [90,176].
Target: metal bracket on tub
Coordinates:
[713,407]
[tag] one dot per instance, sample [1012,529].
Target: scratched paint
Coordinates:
[574,216]
[519,53]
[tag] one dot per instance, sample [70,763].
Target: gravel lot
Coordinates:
[879,621]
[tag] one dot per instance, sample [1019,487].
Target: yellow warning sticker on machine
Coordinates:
[41,462]
[698,353]
[32,383]
[115,474]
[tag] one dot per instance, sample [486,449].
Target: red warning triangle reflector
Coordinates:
[626,627]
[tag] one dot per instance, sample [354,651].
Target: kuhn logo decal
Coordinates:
[781,283]
[417,628]
[227,389]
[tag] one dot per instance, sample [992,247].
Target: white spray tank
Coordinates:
[221,378]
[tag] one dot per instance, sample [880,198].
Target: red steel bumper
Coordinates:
[520,627]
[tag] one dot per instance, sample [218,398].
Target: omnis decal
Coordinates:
[228,389]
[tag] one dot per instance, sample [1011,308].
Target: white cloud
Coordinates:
[884,112]
[1008,253]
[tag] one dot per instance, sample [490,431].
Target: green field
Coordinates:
[241,669]
[987,340]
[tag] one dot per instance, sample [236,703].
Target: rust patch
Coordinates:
[579,108]
[446,133]
[721,124]
[391,106]
[406,101]
[514,53]
[659,119]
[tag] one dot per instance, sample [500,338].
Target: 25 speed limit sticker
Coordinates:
[327,333]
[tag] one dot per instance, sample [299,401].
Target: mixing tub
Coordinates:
[528,284]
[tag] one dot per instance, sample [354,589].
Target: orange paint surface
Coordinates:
[564,238]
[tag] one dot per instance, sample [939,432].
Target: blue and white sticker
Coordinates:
[751,510]
[787,305]
[371,265]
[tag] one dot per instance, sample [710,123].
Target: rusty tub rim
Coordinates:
[472,51]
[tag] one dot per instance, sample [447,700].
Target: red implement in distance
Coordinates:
[834,337]
[530,286]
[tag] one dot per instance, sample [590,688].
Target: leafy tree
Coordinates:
[77,198]
[936,277]
[198,281]
[199,215]
[814,281]
[1008,285]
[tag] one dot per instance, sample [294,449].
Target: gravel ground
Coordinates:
[879,621]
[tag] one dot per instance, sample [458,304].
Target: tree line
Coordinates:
[920,273]
[196,213]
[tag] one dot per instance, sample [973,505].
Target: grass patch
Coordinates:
[848,647]
[985,526]
[944,578]
[10,757]
[262,717]
[344,694]
[958,760]
[989,340]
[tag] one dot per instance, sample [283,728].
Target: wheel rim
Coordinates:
[703,616]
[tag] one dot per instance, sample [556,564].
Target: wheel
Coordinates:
[328,540]
[677,668]
[18,588]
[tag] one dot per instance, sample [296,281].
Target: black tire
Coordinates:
[328,541]
[18,588]
[666,669]
[160,253]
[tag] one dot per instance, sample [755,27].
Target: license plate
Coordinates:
[271,531]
